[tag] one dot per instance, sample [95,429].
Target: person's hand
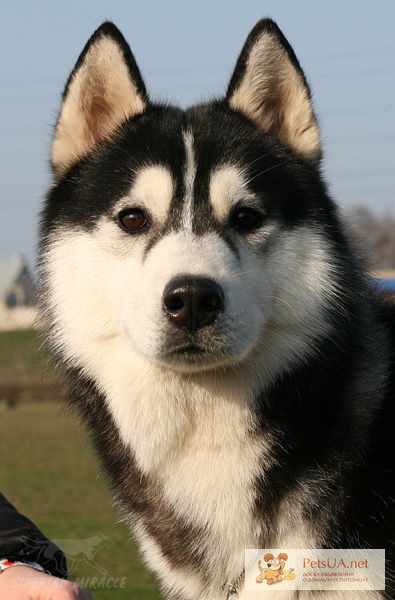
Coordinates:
[25,583]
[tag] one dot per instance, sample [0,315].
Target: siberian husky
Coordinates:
[218,334]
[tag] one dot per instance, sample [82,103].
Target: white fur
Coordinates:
[228,186]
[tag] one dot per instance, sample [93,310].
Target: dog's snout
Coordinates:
[193,303]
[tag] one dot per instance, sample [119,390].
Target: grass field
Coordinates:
[23,356]
[49,472]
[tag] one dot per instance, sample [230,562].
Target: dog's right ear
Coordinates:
[283,556]
[104,90]
[268,557]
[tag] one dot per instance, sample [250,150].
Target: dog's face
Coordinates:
[275,564]
[189,234]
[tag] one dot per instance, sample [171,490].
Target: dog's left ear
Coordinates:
[269,87]
[104,90]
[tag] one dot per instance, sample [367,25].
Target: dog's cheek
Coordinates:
[302,278]
[135,298]
[244,317]
[74,270]
[255,295]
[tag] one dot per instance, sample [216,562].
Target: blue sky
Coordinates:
[186,52]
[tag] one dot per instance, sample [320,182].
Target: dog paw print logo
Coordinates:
[274,571]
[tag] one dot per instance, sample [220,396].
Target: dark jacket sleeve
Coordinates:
[21,540]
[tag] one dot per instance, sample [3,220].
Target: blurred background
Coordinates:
[186,52]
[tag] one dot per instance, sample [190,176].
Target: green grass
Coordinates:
[49,472]
[23,356]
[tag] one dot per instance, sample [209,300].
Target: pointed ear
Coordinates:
[104,89]
[269,87]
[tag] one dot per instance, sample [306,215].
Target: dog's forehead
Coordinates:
[183,173]
[203,171]
[170,196]
[156,187]
[205,136]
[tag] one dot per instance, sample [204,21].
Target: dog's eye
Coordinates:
[132,220]
[245,219]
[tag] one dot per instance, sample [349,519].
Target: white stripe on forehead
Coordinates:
[189,180]
[228,185]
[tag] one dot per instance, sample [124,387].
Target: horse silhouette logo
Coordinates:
[76,552]
[82,551]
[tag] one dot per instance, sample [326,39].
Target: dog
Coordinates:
[275,567]
[219,336]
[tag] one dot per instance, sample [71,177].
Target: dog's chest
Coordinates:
[204,457]
[210,477]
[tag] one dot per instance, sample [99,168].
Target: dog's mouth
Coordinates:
[189,356]
[194,352]
[187,350]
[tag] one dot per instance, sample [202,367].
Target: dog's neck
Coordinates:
[159,420]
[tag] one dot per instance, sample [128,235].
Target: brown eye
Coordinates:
[132,220]
[246,219]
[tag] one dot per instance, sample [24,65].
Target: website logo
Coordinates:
[273,569]
[314,569]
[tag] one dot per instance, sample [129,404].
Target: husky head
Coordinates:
[193,239]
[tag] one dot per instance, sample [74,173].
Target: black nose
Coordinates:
[193,302]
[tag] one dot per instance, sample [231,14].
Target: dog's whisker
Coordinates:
[264,171]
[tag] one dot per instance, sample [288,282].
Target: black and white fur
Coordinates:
[270,426]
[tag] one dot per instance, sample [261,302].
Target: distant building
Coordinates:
[17,286]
